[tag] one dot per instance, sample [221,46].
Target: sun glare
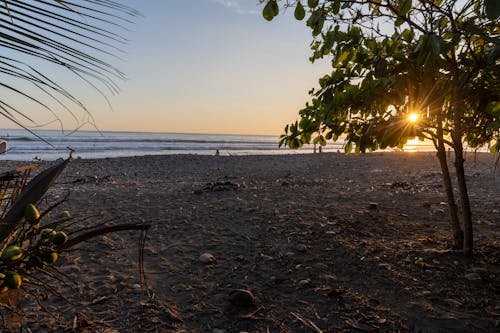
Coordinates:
[413,117]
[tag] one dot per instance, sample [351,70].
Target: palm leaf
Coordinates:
[80,36]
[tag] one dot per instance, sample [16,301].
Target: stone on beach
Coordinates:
[207,258]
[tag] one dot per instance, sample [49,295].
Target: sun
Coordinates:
[413,117]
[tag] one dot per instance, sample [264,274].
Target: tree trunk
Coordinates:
[458,234]
[464,199]
[460,171]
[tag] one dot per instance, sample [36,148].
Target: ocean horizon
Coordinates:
[25,146]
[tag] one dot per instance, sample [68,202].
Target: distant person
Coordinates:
[320,149]
[3,147]
[217,152]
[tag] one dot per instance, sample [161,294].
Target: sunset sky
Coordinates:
[205,66]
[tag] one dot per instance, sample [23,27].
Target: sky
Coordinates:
[204,66]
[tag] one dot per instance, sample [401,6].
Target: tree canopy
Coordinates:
[436,58]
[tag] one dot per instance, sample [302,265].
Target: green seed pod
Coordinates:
[12,252]
[13,280]
[31,213]
[47,233]
[49,257]
[59,238]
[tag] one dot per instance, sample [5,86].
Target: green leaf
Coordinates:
[299,13]
[405,7]
[271,9]
[336,7]
[436,43]
[312,3]
[342,56]
[494,55]
[495,148]
[493,108]
[357,149]
[348,148]
[294,143]
[329,41]
[381,68]
[316,22]
[492,9]
[399,21]
[408,35]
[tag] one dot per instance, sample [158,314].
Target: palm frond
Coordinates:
[81,36]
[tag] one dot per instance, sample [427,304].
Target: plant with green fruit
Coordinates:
[31,242]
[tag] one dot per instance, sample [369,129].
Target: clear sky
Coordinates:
[207,66]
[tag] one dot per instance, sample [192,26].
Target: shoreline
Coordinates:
[225,154]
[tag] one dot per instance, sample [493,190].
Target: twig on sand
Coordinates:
[307,322]
[252,314]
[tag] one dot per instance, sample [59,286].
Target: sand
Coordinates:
[324,242]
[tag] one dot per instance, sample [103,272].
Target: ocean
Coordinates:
[24,146]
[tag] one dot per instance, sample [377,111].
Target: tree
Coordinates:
[403,69]
[79,36]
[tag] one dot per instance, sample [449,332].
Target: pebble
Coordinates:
[473,277]
[420,262]
[136,286]
[207,258]
[305,282]
[479,270]
[265,257]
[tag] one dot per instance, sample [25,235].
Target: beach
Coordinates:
[323,242]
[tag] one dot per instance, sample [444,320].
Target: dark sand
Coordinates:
[324,242]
